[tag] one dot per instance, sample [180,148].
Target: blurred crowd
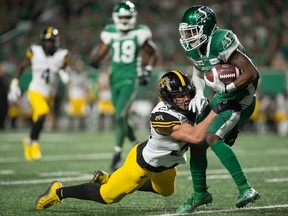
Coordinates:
[261,26]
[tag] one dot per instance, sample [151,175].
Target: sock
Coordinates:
[37,127]
[198,166]
[87,191]
[131,135]
[231,163]
[119,132]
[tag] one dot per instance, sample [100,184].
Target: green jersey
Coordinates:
[125,52]
[222,44]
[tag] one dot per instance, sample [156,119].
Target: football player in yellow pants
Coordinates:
[151,165]
[47,62]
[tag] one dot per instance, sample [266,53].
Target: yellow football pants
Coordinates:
[40,104]
[131,177]
[77,107]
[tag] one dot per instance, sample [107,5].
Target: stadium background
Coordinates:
[261,26]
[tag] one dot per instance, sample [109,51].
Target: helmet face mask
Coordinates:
[176,90]
[196,27]
[50,40]
[191,36]
[124,16]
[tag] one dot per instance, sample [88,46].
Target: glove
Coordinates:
[144,78]
[65,77]
[95,63]
[14,92]
[217,85]
[227,105]
[197,104]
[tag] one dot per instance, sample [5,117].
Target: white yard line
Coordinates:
[78,176]
[231,210]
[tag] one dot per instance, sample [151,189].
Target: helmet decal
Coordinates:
[165,82]
[201,15]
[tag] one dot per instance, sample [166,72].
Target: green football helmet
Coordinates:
[124,16]
[196,27]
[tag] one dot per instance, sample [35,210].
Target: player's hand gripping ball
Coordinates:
[226,73]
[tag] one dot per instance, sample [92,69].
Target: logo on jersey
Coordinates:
[227,40]
[159,117]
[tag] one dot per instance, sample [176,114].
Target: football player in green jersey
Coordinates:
[125,42]
[206,46]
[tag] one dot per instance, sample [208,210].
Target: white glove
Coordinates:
[14,92]
[216,85]
[197,104]
[64,75]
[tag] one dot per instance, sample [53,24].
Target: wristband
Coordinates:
[230,87]
[148,68]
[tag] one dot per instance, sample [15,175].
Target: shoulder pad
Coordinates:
[223,39]
[163,120]
[110,28]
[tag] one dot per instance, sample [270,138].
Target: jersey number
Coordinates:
[124,52]
[46,75]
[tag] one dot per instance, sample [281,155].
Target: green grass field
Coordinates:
[72,157]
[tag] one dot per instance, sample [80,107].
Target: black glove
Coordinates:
[95,63]
[227,105]
[144,78]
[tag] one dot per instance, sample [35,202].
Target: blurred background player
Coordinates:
[4,85]
[78,93]
[126,42]
[105,106]
[47,62]
[206,46]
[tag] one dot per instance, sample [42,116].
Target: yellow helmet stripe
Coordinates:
[180,77]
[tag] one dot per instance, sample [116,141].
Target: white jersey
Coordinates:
[78,86]
[160,150]
[45,70]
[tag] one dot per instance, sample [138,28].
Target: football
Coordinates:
[226,73]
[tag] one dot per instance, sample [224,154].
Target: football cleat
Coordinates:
[196,200]
[27,149]
[247,196]
[100,177]
[49,197]
[35,151]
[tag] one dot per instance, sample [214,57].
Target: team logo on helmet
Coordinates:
[165,82]
[201,15]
